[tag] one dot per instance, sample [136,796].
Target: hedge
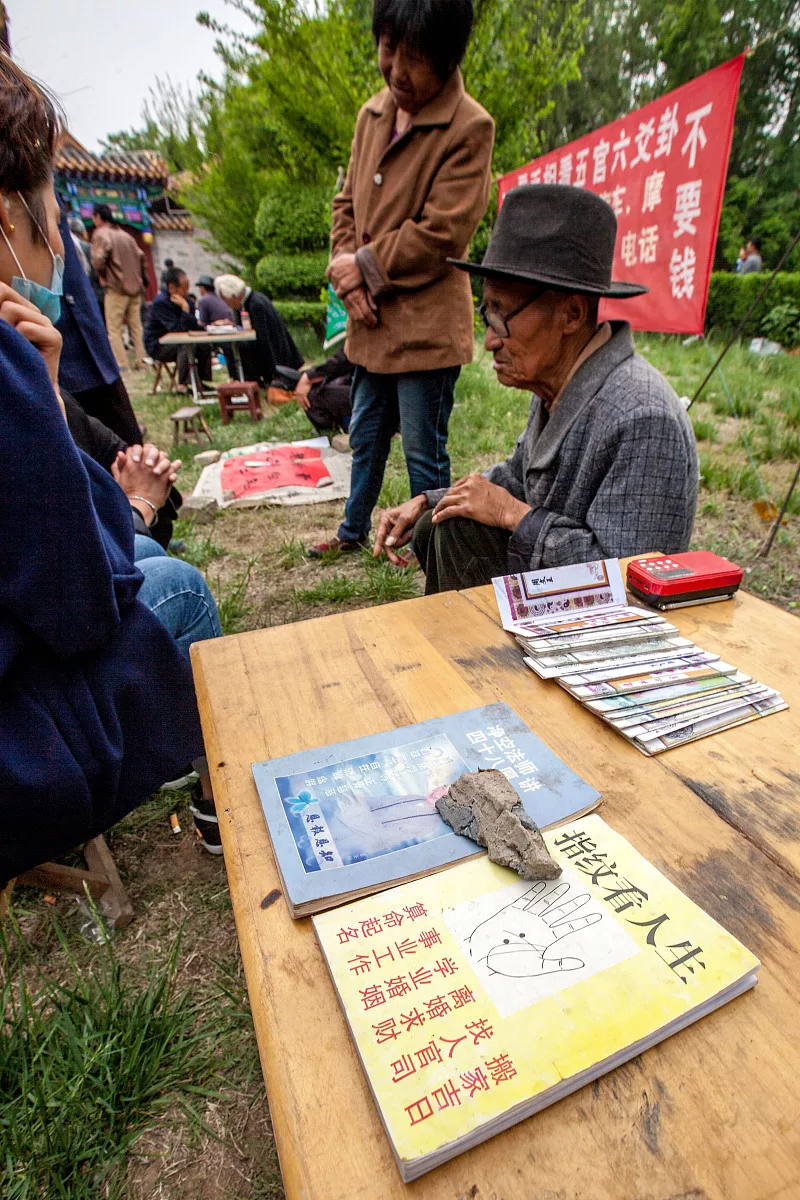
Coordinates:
[303,312]
[292,276]
[730,296]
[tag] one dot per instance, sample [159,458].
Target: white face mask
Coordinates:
[47,300]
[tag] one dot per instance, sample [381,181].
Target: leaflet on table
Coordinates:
[475,998]
[621,671]
[551,665]
[700,729]
[660,726]
[628,618]
[672,709]
[660,710]
[558,594]
[362,814]
[709,685]
[641,632]
[578,686]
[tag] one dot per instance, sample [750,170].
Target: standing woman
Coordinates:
[416,188]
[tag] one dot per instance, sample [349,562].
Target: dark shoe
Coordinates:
[206,824]
[336,543]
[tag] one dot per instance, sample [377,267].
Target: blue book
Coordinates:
[356,817]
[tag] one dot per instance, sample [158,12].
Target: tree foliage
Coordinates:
[264,148]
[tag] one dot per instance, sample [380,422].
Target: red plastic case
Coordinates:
[678,580]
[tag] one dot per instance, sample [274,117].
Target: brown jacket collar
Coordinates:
[440,110]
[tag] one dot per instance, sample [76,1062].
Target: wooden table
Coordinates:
[711,1114]
[190,340]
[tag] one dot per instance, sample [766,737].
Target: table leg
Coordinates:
[192,371]
[238,358]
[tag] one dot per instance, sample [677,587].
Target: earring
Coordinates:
[12,228]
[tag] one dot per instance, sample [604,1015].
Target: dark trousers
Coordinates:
[180,355]
[329,405]
[110,404]
[459,553]
[419,404]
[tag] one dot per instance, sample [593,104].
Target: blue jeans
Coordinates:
[177,593]
[419,404]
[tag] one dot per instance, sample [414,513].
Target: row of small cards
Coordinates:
[634,670]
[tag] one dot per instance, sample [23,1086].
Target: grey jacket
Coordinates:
[612,472]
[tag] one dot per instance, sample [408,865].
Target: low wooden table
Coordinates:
[711,1114]
[190,340]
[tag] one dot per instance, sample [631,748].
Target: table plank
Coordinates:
[750,776]
[709,1114]
[207,339]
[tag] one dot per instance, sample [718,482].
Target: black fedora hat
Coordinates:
[557,235]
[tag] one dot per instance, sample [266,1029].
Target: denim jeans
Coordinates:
[419,405]
[177,593]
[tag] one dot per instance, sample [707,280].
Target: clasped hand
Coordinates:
[147,472]
[347,281]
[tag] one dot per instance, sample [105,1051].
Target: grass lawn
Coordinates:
[191,1121]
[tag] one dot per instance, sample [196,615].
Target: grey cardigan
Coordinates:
[613,471]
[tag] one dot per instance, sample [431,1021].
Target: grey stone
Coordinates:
[341,442]
[199,508]
[483,805]
[206,457]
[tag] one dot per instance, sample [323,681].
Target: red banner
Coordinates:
[662,169]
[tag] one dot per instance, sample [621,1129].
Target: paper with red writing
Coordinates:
[475,998]
[662,169]
[281,466]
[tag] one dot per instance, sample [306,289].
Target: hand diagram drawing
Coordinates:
[523,939]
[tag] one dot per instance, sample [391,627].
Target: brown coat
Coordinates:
[118,261]
[405,208]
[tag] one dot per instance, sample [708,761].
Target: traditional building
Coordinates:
[135,186]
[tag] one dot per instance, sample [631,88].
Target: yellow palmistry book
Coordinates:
[475,999]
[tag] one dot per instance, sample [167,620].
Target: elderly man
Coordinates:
[274,346]
[607,465]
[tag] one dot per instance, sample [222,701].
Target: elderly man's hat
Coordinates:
[205,281]
[556,235]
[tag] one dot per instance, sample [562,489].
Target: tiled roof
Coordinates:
[180,222]
[141,166]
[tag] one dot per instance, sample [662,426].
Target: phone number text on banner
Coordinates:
[662,169]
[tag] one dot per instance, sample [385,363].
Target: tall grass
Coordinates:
[87,1065]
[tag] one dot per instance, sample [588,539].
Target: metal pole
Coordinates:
[776,526]
[744,319]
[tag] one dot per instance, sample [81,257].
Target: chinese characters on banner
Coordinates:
[662,169]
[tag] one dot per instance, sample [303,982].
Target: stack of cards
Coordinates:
[627,665]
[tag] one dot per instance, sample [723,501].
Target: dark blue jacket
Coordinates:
[165,317]
[97,706]
[86,357]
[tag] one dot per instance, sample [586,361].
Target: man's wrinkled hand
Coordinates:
[396,527]
[146,471]
[475,497]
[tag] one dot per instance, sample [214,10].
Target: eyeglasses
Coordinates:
[497,321]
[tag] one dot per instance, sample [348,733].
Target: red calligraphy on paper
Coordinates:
[282,466]
[662,169]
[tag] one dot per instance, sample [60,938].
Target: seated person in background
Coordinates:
[171,312]
[323,393]
[273,346]
[211,310]
[97,703]
[607,465]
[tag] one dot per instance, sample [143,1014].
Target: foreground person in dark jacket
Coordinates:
[97,704]
[607,465]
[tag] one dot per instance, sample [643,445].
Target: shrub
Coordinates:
[730,296]
[303,312]
[293,219]
[292,276]
[782,324]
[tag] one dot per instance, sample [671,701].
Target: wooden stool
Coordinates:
[226,393]
[102,880]
[170,370]
[189,422]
